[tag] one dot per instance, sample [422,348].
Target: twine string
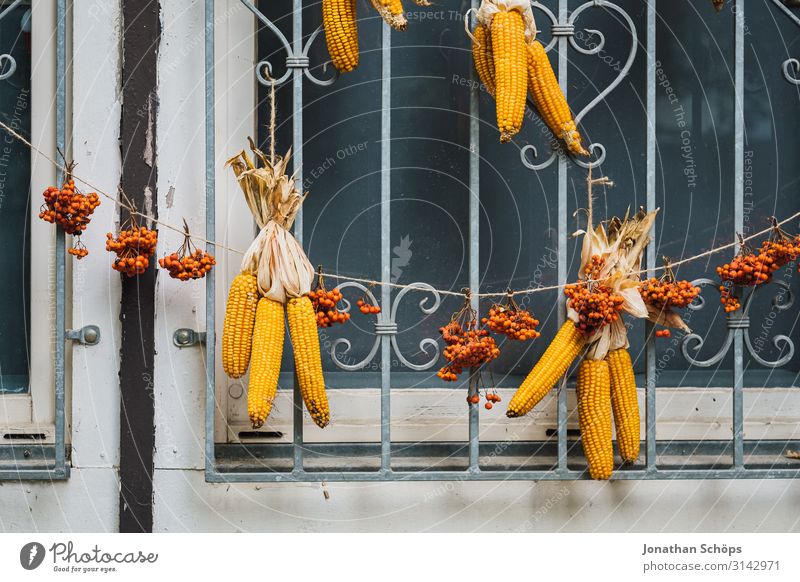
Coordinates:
[372,282]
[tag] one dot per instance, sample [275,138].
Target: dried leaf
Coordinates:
[667,318]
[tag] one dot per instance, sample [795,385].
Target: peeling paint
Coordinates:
[148,153]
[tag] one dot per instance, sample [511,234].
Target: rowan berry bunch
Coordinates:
[510,320]
[133,246]
[594,267]
[780,247]
[188,262]
[324,303]
[79,250]
[748,268]
[467,345]
[597,305]
[663,333]
[666,292]
[491,399]
[69,208]
[367,308]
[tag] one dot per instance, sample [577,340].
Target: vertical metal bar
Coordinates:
[297,168]
[738,351]
[474,237]
[650,349]
[563,14]
[386,246]
[60,323]
[211,401]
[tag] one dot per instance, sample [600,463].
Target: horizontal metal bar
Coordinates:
[466,475]
[497,451]
[38,474]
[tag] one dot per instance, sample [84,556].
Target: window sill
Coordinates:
[31,461]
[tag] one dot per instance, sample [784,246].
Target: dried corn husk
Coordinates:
[275,256]
[621,243]
[489,8]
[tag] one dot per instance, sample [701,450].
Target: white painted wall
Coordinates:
[183,500]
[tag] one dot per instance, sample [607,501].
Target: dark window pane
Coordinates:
[15,92]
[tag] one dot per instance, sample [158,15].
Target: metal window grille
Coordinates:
[32,460]
[246,463]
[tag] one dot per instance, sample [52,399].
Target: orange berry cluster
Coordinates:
[663,333]
[517,324]
[78,251]
[324,303]
[133,247]
[466,348]
[366,308]
[596,307]
[491,397]
[184,267]
[68,208]
[666,293]
[593,267]
[781,249]
[748,269]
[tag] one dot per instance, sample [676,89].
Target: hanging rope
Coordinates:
[372,282]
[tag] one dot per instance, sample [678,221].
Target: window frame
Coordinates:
[41,412]
[222,461]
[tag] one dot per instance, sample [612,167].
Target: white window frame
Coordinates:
[34,411]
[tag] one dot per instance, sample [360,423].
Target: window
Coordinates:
[32,394]
[15,174]
[704,176]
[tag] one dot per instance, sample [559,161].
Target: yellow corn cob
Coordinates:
[307,358]
[624,404]
[237,331]
[553,365]
[482,55]
[392,13]
[510,71]
[594,417]
[341,33]
[550,101]
[266,366]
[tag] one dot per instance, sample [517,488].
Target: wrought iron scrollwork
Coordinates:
[386,325]
[8,65]
[791,66]
[739,319]
[293,61]
[567,29]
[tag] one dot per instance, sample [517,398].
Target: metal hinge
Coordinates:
[185,337]
[88,335]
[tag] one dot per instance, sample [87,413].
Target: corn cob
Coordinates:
[510,70]
[594,417]
[392,13]
[237,331]
[307,359]
[482,55]
[266,366]
[341,33]
[550,100]
[624,404]
[553,365]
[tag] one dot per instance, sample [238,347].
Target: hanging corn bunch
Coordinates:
[608,286]
[341,28]
[511,63]
[274,272]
